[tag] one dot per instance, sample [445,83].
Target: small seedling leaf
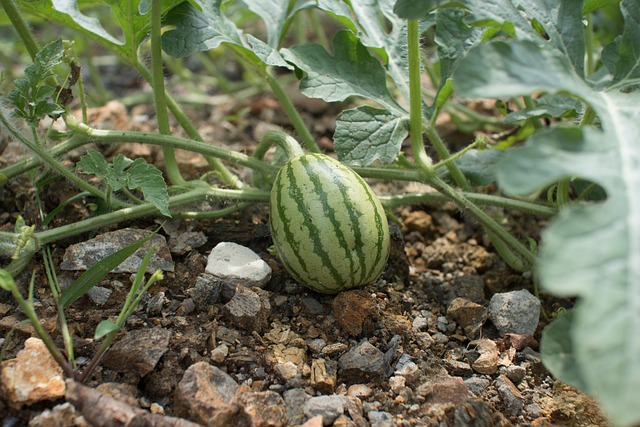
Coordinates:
[131,174]
[104,328]
[366,134]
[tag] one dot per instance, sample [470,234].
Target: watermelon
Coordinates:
[328,227]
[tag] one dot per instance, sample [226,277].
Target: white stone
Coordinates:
[238,265]
[515,312]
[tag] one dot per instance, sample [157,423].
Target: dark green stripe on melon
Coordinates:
[328,226]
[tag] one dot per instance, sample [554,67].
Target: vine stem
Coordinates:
[284,141]
[195,195]
[54,164]
[21,27]
[415,98]
[488,222]
[110,136]
[157,82]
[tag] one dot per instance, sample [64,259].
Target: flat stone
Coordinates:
[220,353]
[185,242]
[510,395]
[238,265]
[248,310]
[515,373]
[324,375]
[477,385]
[469,287]
[356,312]
[469,315]
[446,390]
[312,306]
[294,400]
[83,256]
[313,422]
[516,312]
[203,390]
[99,295]
[363,363]
[330,407]
[380,419]
[359,390]
[32,376]
[138,351]
[206,291]
[410,371]
[258,409]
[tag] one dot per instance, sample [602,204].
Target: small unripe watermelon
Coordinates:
[328,227]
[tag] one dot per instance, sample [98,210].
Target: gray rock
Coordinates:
[514,312]
[312,306]
[329,407]
[295,400]
[515,373]
[248,310]
[206,290]
[183,243]
[477,385]
[380,419]
[470,287]
[237,264]
[99,295]
[510,395]
[363,363]
[138,351]
[83,256]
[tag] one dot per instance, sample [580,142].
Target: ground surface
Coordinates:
[429,373]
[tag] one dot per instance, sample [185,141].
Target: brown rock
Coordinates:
[138,351]
[32,376]
[203,390]
[356,312]
[447,390]
[313,422]
[260,408]
[248,309]
[469,315]
[419,221]
[520,341]
[60,415]
[487,362]
[324,375]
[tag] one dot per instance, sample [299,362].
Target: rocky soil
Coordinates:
[448,336]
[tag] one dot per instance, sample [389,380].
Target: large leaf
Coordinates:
[131,17]
[277,15]
[366,134]
[590,250]
[370,20]
[351,71]
[551,23]
[627,70]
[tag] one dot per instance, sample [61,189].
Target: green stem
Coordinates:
[415,98]
[479,141]
[437,198]
[227,176]
[488,222]
[443,153]
[113,137]
[292,113]
[198,194]
[21,27]
[27,164]
[44,336]
[157,82]
[590,57]
[283,140]
[51,162]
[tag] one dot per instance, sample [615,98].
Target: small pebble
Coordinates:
[219,353]
[380,419]
[330,407]
[516,312]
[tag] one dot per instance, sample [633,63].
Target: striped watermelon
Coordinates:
[329,228]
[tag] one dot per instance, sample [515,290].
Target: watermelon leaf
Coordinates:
[591,251]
